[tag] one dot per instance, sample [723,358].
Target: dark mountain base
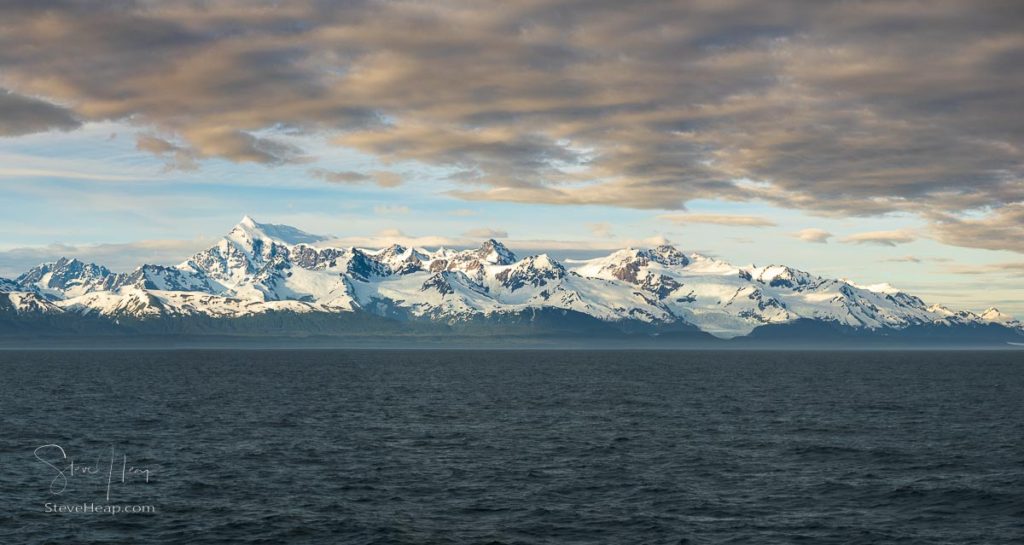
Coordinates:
[814,333]
[535,328]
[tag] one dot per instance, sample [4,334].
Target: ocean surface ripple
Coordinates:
[515,447]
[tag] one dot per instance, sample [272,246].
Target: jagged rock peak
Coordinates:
[535,270]
[781,276]
[666,254]
[62,272]
[8,285]
[393,250]
[364,267]
[496,253]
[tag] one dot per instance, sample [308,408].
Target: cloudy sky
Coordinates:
[877,141]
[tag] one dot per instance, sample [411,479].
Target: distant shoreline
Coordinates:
[483,344]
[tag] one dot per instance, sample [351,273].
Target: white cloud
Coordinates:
[387,237]
[601,229]
[485,232]
[718,219]
[118,257]
[819,236]
[390,209]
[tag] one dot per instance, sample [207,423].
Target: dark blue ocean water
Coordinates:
[512,447]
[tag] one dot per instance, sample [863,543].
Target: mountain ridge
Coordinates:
[269,269]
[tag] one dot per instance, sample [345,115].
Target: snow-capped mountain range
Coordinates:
[262,269]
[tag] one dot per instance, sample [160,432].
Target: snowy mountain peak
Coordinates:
[26,303]
[632,265]
[262,268]
[941,310]
[63,275]
[994,315]
[883,287]
[666,254]
[782,276]
[545,261]
[392,251]
[249,230]
[496,253]
[534,271]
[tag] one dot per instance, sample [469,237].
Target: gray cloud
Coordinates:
[25,115]
[379,177]
[841,108]
[387,179]
[178,157]
[1000,229]
[241,146]
[1006,268]
[916,259]
[903,259]
[342,177]
[881,238]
